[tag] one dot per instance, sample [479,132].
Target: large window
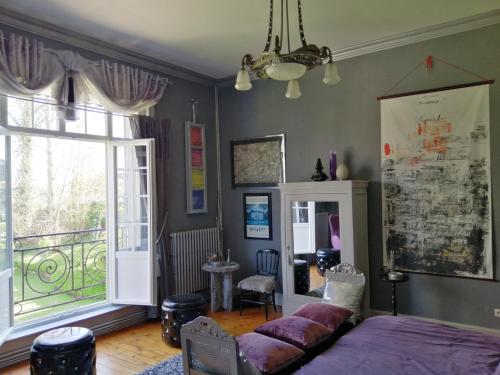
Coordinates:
[81,205]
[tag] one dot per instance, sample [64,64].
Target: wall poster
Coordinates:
[257,215]
[196,176]
[436,187]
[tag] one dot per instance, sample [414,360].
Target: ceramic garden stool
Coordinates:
[177,310]
[326,259]
[301,276]
[64,351]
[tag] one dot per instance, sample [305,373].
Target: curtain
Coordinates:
[158,129]
[27,69]
[119,88]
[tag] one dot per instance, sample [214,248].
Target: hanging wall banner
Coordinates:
[196,175]
[436,182]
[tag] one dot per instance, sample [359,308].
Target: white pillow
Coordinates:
[345,291]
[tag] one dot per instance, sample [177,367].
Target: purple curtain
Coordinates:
[158,129]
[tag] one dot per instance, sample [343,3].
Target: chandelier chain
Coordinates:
[278,47]
[287,27]
[270,30]
[301,26]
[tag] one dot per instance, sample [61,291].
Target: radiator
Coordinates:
[189,251]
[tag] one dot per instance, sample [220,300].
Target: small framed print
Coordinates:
[196,176]
[257,211]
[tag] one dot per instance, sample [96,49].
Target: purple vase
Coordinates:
[333,165]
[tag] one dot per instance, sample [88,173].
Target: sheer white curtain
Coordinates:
[119,88]
[28,69]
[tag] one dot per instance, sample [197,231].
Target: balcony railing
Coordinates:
[58,269]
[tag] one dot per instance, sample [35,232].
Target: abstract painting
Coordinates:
[258,161]
[257,214]
[196,178]
[436,187]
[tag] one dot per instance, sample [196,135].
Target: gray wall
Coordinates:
[346,118]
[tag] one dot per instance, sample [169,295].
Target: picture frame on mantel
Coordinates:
[258,162]
[257,216]
[196,168]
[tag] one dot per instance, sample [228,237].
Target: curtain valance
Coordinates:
[27,68]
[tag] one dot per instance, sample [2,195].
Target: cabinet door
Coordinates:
[329,228]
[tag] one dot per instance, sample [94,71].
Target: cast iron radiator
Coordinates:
[189,251]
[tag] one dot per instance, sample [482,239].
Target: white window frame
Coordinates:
[148,257]
[109,140]
[7,275]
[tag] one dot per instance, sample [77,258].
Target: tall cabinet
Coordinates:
[309,210]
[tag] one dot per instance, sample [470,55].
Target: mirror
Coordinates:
[316,244]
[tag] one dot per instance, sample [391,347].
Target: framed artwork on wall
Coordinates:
[436,182]
[258,161]
[196,175]
[257,216]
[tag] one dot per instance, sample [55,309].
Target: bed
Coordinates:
[383,345]
[398,345]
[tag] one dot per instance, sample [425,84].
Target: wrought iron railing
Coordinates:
[58,269]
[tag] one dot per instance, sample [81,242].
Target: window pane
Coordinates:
[45,114]
[20,112]
[96,123]
[132,199]
[77,126]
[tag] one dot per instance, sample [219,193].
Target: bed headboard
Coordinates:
[208,349]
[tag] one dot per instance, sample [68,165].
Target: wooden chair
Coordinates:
[263,283]
[208,349]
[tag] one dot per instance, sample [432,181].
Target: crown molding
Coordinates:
[411,37]
[50,31]
[419,35]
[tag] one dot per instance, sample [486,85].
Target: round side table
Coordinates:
[221,284]
[405,278]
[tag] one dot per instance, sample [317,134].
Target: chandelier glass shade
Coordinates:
[289,66]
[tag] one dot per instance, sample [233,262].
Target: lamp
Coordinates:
[293,90]
[289,66]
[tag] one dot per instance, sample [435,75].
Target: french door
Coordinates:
[6,266]
[132,230]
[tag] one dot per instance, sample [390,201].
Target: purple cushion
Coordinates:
[298,331]
[267,354]
[330,316]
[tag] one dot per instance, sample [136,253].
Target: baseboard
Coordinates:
[468,327]
[20,351]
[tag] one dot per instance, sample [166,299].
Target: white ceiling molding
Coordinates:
[415,36]
[46,30]
[404,39]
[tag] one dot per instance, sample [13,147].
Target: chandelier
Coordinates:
[288,66]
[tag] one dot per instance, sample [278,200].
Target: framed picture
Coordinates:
[196,175]
[257,211]
[258,161]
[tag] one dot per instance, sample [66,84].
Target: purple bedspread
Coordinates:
[396,345]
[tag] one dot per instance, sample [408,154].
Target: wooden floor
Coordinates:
[316,280]
[133,349]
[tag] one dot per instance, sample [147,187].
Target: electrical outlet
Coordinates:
[496,312]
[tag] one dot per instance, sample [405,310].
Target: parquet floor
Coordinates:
[133,349]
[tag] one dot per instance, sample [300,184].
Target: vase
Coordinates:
[319,175]
[333,165]
[342,172]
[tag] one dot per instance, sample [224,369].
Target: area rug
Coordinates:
[172,366]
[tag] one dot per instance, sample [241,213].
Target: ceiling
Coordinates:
[211,36]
